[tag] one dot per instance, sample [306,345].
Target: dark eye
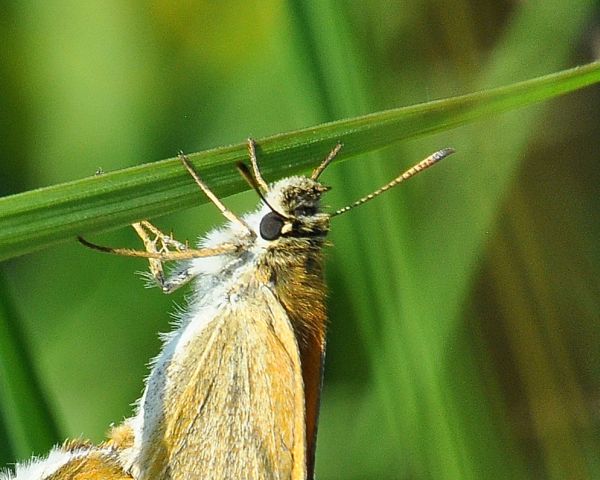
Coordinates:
[305,211]
[270,226]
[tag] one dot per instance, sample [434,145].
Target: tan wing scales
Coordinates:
[94,466]
[76,460]
[240,412]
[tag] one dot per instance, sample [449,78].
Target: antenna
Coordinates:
[228,214]
[419,167]
[259,180]
[254,183]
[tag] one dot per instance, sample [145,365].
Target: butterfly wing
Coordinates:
[75,460]
[233,402]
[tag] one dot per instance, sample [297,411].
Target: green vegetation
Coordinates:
[463,335]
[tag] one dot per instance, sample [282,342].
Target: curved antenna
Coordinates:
[419,167]
[260,181]
[254,183]
[319,170]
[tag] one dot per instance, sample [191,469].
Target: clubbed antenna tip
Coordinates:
[419,167]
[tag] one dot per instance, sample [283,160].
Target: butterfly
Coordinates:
[235,391]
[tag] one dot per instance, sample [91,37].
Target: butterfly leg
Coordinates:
[156,242]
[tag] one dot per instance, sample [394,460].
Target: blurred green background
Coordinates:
[464,333]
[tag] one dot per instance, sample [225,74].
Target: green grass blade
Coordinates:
[36,219]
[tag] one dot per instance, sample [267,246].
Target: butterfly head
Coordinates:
[293,210]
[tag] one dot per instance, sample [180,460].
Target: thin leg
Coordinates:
[161,248]
[167,240]
[176,279]
[156,257]
[157,242]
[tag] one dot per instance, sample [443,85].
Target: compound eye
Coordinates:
[271,226]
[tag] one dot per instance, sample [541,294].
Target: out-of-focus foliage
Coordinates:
[464,306]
